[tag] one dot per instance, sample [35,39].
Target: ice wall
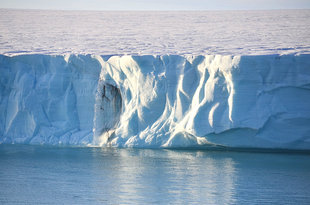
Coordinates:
[156,101]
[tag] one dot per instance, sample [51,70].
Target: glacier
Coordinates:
[156,101]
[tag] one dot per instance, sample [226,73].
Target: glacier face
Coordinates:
[156,101]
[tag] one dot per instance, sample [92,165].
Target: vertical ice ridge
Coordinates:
[179,114]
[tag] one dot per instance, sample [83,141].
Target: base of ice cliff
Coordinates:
[156,101]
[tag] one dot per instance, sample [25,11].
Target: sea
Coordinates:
[34,174]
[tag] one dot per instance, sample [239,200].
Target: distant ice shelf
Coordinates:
[156,101]
[154,32]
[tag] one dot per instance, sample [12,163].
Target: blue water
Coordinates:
[57,175]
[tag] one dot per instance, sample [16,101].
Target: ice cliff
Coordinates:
[156,101]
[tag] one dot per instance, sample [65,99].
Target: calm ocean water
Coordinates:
[58,175]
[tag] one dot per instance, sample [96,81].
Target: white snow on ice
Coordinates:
[160,33]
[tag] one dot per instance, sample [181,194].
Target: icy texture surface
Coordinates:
[156,101]
[47,99]
[106,33]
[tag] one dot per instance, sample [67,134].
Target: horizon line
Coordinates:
[155,10]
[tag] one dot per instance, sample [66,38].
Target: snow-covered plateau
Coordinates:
[156,101]
[154,33]
[155,79]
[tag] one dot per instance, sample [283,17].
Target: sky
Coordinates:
[156,4]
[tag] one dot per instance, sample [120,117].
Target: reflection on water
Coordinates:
[169,176]
[34,174]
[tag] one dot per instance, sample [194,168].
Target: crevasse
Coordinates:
[156,101]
